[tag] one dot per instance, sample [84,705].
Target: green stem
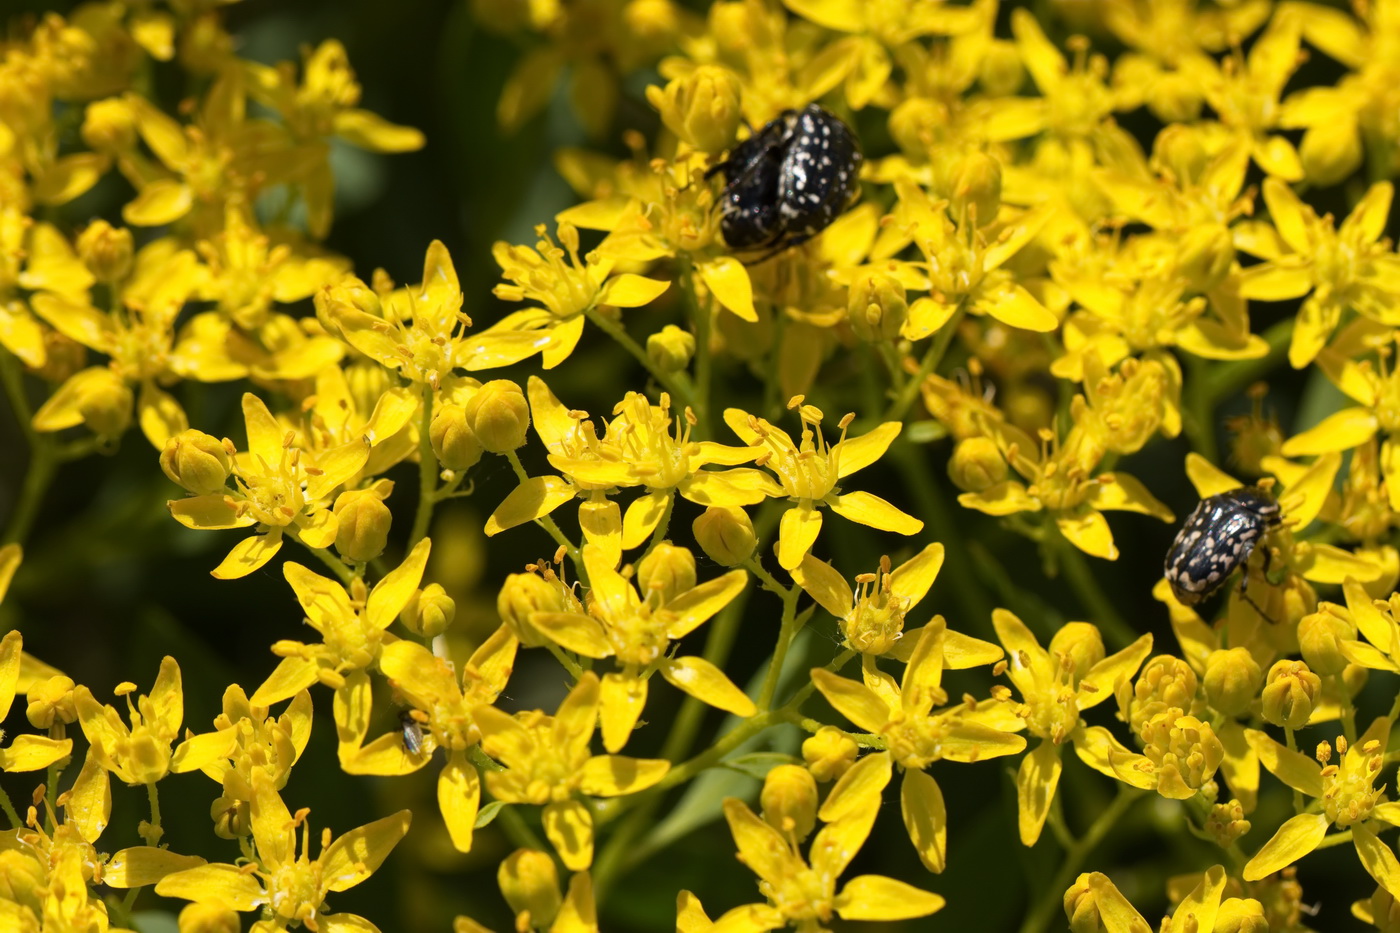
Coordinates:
[1291,739]
[700,320]
[519,831]
[568,663]
[1199,417]
[863,739]
[324,555]
[1339,685]
[786,630]
[152,831]
[548,524]
[1086,587]
[662,527]
[1334,839]
[427,469]
[1052,899]
[9,808]
[1225,379]
[43,459]
[905,398]
[667,380]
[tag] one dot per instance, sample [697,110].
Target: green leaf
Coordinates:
[486,814]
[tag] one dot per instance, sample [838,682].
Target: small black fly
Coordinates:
[1218,537]
[412,734]
[787,182]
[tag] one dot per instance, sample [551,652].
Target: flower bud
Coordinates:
[63,358]
[876,307]
[829,753]
[1185,751]
[454,443]
[364,521]
[1165,682]
[1232,680]
[209,918]
[1320,637]
[23,878]
[524,594]
[725,534]
[667,570]
[1226,823]
[1290,691]
[1354,678]
[1002,71]
[51,701]
[671,348]
[1081,642]
[233,818]
[499,416]
[104,400]
[702,108]
[530,885]
[106,250]
[1206,254]
[915,125]
[109,126]
[1241,915]
[976,464]
[197,461]
[1385,911]
[1082,904]
[1331,151]
[789,800]
[1180,152]
[976,189]
[430,611]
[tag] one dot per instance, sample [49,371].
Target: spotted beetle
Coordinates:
[1217,538]
[787,182]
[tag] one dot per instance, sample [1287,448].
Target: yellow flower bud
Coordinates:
[668,571]
[671,348]
[976,464]
[1331,151]
[789,800]
[1354,678]
[1165,682]
[51,701]
[1385,911]
[1206,254]
[1290,691]
[430,611]
[702,107]
[530,886]
[105,402]
[1320,637]
[209,918]
[106,250]
[1180,152]
[1002,71]
[1082,905]
[22,877]
[196,461]
[1185,750]
[233,818]
[499,416]
[205,47]
[454,443]
[109,126]
[525,593]
[915,125]
[1081,642]
[877,307]
[63,357]
[1232,680]
[1241,915]
[1226,823]
[976,189]
[829,753]
[364,521]
[725,534]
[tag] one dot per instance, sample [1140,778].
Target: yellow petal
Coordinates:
[855,701]
[209,513]
[1036,781]
[1208,479]
[1087,529]
[138,866]
[575,631]
[693,607]
[1377,858]
[161,202]
[707,683]
[34,752]
[615,775]
[797,532]
[89,805]
[199,751]
[925,818]
[859,788]
[1295,769]
[631,291]
[1277,281]
[356,855]
[857,453]
[534,498]
[370,131]
[875,897]
[825,584]
[1106,675]
[159,415]
[392,593]
[761,848]
[620,702]
[214,884]
[1124,493]
[11,650]
[569,826]
[1016,307]
[1294,839]
[1343,430]
[1198,910]
[459,799]
[730,488]
[869,509]
[1005,498]
[292,675]
[272,822]
[728,280]
[642,516]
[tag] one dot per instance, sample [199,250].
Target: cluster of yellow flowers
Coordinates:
[1010,234]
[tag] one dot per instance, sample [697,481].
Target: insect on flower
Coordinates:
[1217,538]
[412,732]
[787,182]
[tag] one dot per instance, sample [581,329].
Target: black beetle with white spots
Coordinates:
[787,182]
[1218,537]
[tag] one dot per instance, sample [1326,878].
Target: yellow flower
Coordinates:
[916,734]
[24,752]
[1338,268]
[351,622]
[1094,902]
[530,886]
[1062,482]
[430,685]
[1349,800]
[568,288]
[809,471]
[290,888]
[637,625]
[281,488]
[547,763]
[1056,686]
[802,892]
[139,753]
